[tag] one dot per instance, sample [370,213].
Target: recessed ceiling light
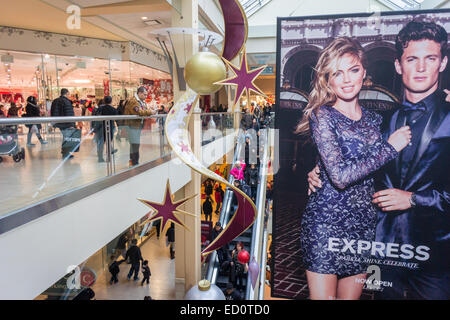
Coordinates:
[152,22]
[144,18]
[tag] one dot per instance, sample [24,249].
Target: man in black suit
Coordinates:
[415,200]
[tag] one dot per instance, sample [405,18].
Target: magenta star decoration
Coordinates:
[166,211]
[243,79]
[184,148]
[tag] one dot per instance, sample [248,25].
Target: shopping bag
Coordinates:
[72,139]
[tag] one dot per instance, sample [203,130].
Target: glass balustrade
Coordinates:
[33,170]
[216,126]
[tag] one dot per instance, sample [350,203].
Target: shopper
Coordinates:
[208,208]
[62,107]
[231,293]
[253,180]
[162,120]
[221,254]
[146,272]
[238,269]
[114,269]
[78,111]
[136,106]
[218,196]
[157,225]
[257,114]
[2,111]
[238,171]
[247,120]
[100,132]
[208,187]
[170,234]
[135,256]
[32,110]
[13,110]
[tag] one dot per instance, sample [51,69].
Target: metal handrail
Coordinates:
[40,120]
[224,216]
[258,226]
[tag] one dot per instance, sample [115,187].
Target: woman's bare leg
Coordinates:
[321,286]
[350,288]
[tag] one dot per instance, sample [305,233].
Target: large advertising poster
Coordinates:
[378,224]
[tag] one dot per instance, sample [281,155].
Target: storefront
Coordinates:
[87,78]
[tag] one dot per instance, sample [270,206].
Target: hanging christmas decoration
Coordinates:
[243,79]
[166,211]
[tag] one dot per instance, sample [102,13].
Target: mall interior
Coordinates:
[65,220]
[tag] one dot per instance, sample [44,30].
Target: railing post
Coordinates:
[107,139]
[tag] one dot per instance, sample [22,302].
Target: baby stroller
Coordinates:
[9,144]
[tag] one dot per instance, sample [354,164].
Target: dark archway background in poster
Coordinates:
[299,42]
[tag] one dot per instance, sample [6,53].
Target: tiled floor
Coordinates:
[162,282]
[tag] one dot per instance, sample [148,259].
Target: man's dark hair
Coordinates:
[141,89]
[107,99]
[419,30]
[64,91]
[134,241]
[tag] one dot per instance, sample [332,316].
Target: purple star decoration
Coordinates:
[243,79]
[166,211]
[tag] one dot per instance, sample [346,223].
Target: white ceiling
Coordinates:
[93,3]
[133,22]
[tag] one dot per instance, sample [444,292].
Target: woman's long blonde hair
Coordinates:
[326,67]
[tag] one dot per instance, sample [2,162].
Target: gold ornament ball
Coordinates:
[202,71]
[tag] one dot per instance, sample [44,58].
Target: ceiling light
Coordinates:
[144,18]
[152,22]
[82,81]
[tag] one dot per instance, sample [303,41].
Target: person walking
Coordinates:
[62,107]
[208,208]
[218,197]
[32,111]
[135,257]
[170,234]
[114,269]
[100,132]
[146,272]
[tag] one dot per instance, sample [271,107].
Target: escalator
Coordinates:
[252,237]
